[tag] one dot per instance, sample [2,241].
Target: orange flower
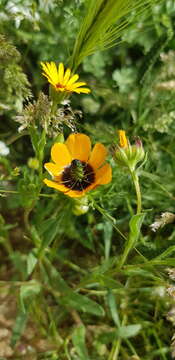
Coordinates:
[63,81]
[77,169]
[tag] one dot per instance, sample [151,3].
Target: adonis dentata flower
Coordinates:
[76,169]
[61,80]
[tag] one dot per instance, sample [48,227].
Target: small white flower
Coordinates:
[4,150]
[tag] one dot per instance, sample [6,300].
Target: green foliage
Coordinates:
[89,276]
[78,339]
[15,87]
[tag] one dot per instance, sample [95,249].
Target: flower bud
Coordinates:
[33,163]
[129,155]
[81,206]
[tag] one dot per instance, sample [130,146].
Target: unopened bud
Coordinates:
[81,206]
[129,155]
[33,163]
[123,141]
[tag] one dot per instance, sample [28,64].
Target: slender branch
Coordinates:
[15,137]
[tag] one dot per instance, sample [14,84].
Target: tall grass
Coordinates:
[103,25]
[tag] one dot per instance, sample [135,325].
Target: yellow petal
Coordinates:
[79,146]
[51,72]
[66,76]
[60,73]
[98,156]
[104,175]
[54,72]
[49,79]
[60,154]
[53,169]
[43,65]
[82,90]
[77,84]
[73,79]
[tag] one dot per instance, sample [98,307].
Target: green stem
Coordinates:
[27,212]
[26,218]
[135,179]
[132,238]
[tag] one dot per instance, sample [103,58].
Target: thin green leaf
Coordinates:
[28,291]
[78,339]
[135,226]
[31,262]
[19,327]
[129,331]
[113,308]
[49,230]
[70,298]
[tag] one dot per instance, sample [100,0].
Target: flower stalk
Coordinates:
[135,179]
[129,156]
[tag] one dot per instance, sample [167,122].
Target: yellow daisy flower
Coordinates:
[75,168]
[61,80]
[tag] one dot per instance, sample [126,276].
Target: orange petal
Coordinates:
[60,154]
[98,156]
[79,146]
[64,189]
[104,175]
[55,185]
[74,194]
[53,169]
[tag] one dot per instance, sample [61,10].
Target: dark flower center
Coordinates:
[78,175]
[60,86]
